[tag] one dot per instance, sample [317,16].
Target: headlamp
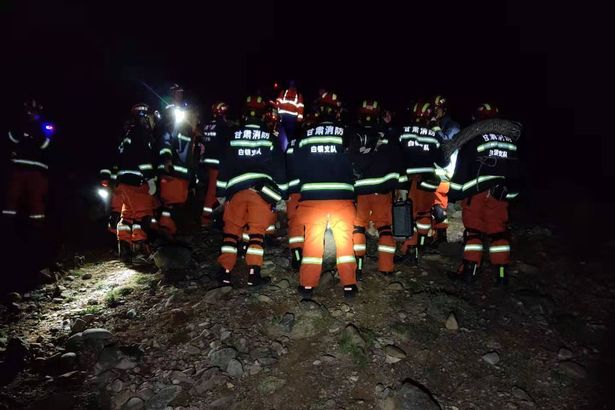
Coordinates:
[48,129]
[103,193]
[180,115]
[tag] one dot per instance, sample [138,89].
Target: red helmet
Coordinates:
[486,111]
[139,110]
[369,111]
[219,109]
[255,106]
[329,99]
[422,112]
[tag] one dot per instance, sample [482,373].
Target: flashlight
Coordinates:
[103,193]
[48,129]
[180,115]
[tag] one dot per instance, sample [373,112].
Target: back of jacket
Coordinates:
[135,156]
[215,135]
[420,150]
[29,146]
[483,162]
[176,143]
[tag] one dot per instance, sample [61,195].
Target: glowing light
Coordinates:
[103,193]
[180,115]
[48,129]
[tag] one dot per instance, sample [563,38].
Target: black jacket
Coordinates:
[321,164]
[483,162]
[135,156]
[176,143]
[421,152]
[215,136]
[251,159]
[375,160]
[29,146]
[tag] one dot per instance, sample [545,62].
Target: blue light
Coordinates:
[48,129]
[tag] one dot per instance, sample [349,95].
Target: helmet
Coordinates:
[328,105]
[176,88]
[219,109]
[255,106]
[140,110]
[422,112]
[369,111]
[486,111]
[440,101]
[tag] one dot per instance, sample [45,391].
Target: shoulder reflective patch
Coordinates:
[28,162]
[183,170]
[211,161]
[166,151]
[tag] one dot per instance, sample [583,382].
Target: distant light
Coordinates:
[103,193]
[180,115]
[275,86]
[48,129]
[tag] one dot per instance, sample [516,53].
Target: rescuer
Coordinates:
[326,185]
[250,183]
[486,177]
[290,110]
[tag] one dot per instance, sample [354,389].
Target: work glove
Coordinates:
[151,186]
[221,200]
[401,195]
[498,192]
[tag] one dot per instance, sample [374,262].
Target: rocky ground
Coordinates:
[108,336]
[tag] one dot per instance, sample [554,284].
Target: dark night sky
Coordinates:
[544,64]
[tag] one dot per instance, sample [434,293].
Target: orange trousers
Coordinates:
[375,208]
[295,229]
[245,208]
[116,210]
[441,200]
[210,201]
[422,201]
[316,216]
[173,192]
[27,188]
[137,211]
[482,214]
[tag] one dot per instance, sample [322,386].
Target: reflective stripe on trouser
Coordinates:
[422,201]
[245,208]
[316,216]
[295,229]
[377,209]
[441,199]
[499,252]
[136,205]
[473,249]
[173,191]
[210,200]
[27,187]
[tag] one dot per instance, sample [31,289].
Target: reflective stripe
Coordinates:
[359,247]
[320,140]
[143,167]
[166,151]
[291,102]
[428,185]
[113,176]
[419,170]
[478,180]
[496,144]
[211,161]
[183,137]
[241,143]
[166,213]
[294,182]
[15,140]
[123,227]
[45,144]
[246,177]
[308,260]
[473,247]
[429,140]
[512,195]
[499,248]
[384,141]
[228,249]
[423,226]
[28,162]
[271,194]
[105,171]
[326,186]
[207,209]
[270,228]
[8,212]
[386,249]
[245,236]
[377,181]
[440,171]
[283,187]
[346,259]
[296,239]
[127,171]
[280,111]
[180,169]
[221,184]
[403,178]
[153,220]
[255,251]
[136,226]
[290,150]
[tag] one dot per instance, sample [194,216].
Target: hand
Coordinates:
[151,184]
[401,195]
[221,200]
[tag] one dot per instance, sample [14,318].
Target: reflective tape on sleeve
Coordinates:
[359,247]
[473,248]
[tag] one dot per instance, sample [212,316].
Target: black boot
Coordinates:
[305,291]
[224,277]
[467,272]
[255,279]
[411,257]
[295,258]
[350,291]
[501,275]
[124,251]
[440,238]
[360,261]
[141,252]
